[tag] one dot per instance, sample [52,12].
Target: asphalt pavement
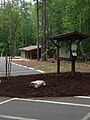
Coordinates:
[67,108]
[17,69]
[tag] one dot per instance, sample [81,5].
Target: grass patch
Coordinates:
[47,68]
[51,68]
[65,67]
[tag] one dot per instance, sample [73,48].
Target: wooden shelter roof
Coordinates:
[73,36]
[29,48]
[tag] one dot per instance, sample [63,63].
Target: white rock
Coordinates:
[0,81]
[37,83]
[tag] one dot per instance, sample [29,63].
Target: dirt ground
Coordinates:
[60,85]
[56,85]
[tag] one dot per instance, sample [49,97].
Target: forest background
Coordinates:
[18,23]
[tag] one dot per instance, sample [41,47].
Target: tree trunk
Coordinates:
[37,31]
[43,56]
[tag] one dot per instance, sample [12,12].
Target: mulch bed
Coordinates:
[60,85]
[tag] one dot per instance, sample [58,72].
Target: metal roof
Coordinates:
[29,48]
[73,36]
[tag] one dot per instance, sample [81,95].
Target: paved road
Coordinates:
[17,70]
[70,108]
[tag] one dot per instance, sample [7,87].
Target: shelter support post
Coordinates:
[58,60]
[58,66]
[73,65]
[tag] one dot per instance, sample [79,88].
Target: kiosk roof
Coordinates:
[73,36]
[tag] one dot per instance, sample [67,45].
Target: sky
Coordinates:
[29,1]
[25,0]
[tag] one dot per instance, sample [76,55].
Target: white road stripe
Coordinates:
[14,63]
[40,71]
[16,118]
[28,67]
[55,102]
[86,97]
[6,101]
[31,68]
[23,66]
[86,117]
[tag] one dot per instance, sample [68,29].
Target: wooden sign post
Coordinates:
[68,48]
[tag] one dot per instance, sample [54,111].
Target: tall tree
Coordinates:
[43,54]
[37,30]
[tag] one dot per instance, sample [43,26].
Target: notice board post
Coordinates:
[68,48]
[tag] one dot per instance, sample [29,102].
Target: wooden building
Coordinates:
[30,52]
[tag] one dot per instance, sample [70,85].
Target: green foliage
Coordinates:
[18,22]
[17,25]
[70,15]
